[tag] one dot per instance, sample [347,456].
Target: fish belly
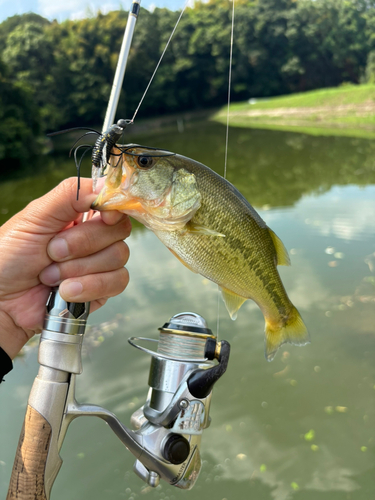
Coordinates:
[250,273]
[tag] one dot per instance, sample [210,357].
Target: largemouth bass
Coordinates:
[211,228]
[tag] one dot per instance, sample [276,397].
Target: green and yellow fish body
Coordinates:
[212,229]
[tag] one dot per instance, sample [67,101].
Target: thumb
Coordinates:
[56,209]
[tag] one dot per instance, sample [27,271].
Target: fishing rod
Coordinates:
[167,429]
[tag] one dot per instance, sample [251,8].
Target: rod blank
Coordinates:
[121,65]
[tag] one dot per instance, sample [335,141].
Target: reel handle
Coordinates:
[27,479]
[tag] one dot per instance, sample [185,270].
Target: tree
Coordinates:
[19,122]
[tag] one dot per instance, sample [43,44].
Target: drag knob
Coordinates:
[176,449]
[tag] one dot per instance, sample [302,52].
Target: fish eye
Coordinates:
[145,161]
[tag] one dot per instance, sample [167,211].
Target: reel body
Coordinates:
[172,408]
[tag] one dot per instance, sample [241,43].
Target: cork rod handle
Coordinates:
[27,480]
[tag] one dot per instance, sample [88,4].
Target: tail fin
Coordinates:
[294,331]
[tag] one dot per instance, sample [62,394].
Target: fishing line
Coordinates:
[229,88]
[226,142]
[161,57]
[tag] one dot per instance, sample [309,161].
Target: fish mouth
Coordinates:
[116,200]
[108,200]
[114,195]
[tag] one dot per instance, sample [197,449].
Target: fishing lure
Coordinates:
[101,150]
[105,142]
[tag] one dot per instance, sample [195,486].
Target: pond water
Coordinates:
[301,427]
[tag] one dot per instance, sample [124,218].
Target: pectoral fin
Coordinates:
[232,302]
[198,229]
[281,252]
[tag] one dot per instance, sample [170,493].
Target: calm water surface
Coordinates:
[301,427]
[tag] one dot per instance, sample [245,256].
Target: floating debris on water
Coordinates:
[364,448]
[314,447]
[329,410]
[294,485]
[333,263]
[309,436]
[241,456]
[263,468]
[293,383]
[341,409]
[339,255]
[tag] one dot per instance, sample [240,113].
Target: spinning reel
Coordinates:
[167,429]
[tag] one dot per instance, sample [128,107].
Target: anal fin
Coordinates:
[232,302]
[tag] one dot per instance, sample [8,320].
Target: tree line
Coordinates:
[56,75]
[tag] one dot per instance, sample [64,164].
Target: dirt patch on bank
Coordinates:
[363,109]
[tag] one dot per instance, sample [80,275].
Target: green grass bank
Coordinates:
[347,110]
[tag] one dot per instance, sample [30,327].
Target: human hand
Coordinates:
[44,245]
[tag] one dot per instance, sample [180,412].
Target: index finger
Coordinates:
[56,209]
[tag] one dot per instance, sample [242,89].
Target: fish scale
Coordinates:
[218,234]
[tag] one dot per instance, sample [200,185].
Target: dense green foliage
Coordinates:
[19,120]
[281,46]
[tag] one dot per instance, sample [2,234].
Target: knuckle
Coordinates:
[123,228]
[121,253]
[119,284]
[89,240]
[71,269]
[83,241]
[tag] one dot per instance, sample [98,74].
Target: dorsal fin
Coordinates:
[281,252]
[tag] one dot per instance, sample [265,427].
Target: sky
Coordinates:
[76,9]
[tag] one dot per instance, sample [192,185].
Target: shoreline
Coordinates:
[344,111]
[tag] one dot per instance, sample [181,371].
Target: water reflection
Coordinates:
[270,168]
[298,428]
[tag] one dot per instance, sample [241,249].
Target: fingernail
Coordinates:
[50,275]
[71,289]
[58,249]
